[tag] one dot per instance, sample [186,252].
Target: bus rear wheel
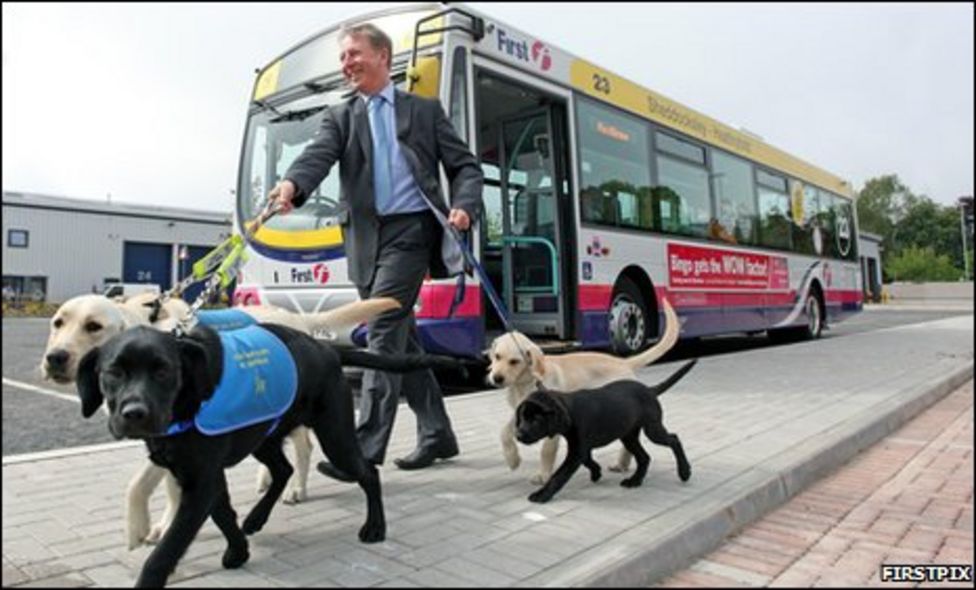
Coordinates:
[814,313]
[629,320]
[812,329]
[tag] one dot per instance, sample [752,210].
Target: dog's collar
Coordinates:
[157,306]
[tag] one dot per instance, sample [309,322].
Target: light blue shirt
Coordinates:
[407,197]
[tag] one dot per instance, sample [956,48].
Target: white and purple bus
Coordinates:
[601,198]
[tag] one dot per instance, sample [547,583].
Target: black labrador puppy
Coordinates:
[158,386]
[592,418]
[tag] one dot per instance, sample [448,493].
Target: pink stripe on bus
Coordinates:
[597,298]
[594,297]
[436,301]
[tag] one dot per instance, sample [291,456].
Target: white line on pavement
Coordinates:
[36,389]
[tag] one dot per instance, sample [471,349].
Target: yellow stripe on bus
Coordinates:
[268,82]
[313,238]
[623,93]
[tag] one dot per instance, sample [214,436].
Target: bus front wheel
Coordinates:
[629,320]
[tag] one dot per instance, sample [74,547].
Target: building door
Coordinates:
[147,263]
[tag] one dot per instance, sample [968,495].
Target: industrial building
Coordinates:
[55,248]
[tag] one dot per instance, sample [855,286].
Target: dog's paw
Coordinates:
[540,497]
[294,495]
[253,523]
[595,475]
[684,472]
[372,532]
[632,482]
[235,557]
[155,535]
[136,534]
[263,481]
[538,479]
[513,460]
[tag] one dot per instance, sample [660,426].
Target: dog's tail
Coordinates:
[670,381]
[672,328]
[337,324]
[397,363]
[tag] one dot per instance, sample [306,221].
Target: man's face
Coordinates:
[363,66]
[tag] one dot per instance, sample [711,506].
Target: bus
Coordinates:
[602,198]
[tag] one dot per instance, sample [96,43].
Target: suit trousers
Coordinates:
[403,254]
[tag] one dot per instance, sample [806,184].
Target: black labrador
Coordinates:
[592,418]
[151,380]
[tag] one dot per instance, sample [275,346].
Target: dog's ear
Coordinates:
[557,415]
[195,373]
[537,362]
[87,383]
[489,352]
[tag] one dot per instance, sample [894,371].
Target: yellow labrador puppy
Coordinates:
[517,363]
[87,321]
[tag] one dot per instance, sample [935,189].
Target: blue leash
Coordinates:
[469,258]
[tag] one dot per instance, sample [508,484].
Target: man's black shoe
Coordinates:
[326,468]
[425,457]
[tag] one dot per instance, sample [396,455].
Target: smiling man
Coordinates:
[389,145]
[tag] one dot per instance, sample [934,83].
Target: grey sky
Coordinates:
[147,102]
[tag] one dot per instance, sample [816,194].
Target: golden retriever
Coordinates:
[517,363]
[87,321]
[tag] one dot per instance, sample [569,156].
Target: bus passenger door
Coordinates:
[524,156]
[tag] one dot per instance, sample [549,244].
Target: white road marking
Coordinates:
[36,389]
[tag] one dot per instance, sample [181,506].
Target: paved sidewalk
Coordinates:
[758,427]
[906,500]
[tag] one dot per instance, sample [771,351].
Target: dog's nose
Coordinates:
[58,359]
[134,412]
[497,379]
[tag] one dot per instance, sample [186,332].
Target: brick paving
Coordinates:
[906,500]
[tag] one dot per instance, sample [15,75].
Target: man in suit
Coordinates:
[388,145]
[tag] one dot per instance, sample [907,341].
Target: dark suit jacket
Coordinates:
[426,137]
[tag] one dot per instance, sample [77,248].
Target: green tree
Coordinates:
[928,224]
[880,204]
[887,207]
[918,264]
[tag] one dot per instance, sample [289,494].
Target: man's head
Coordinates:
[365,54]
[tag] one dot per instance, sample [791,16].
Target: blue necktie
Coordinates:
[382,162]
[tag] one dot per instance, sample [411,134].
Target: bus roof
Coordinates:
[310,59]
[318,54]
[524,51]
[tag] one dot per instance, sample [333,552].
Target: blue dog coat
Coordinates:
[225,319]
[259,383]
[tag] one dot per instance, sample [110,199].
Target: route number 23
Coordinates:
[601,84]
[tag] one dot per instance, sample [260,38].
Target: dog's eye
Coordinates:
[57,323]
[92,326]
[514,362]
